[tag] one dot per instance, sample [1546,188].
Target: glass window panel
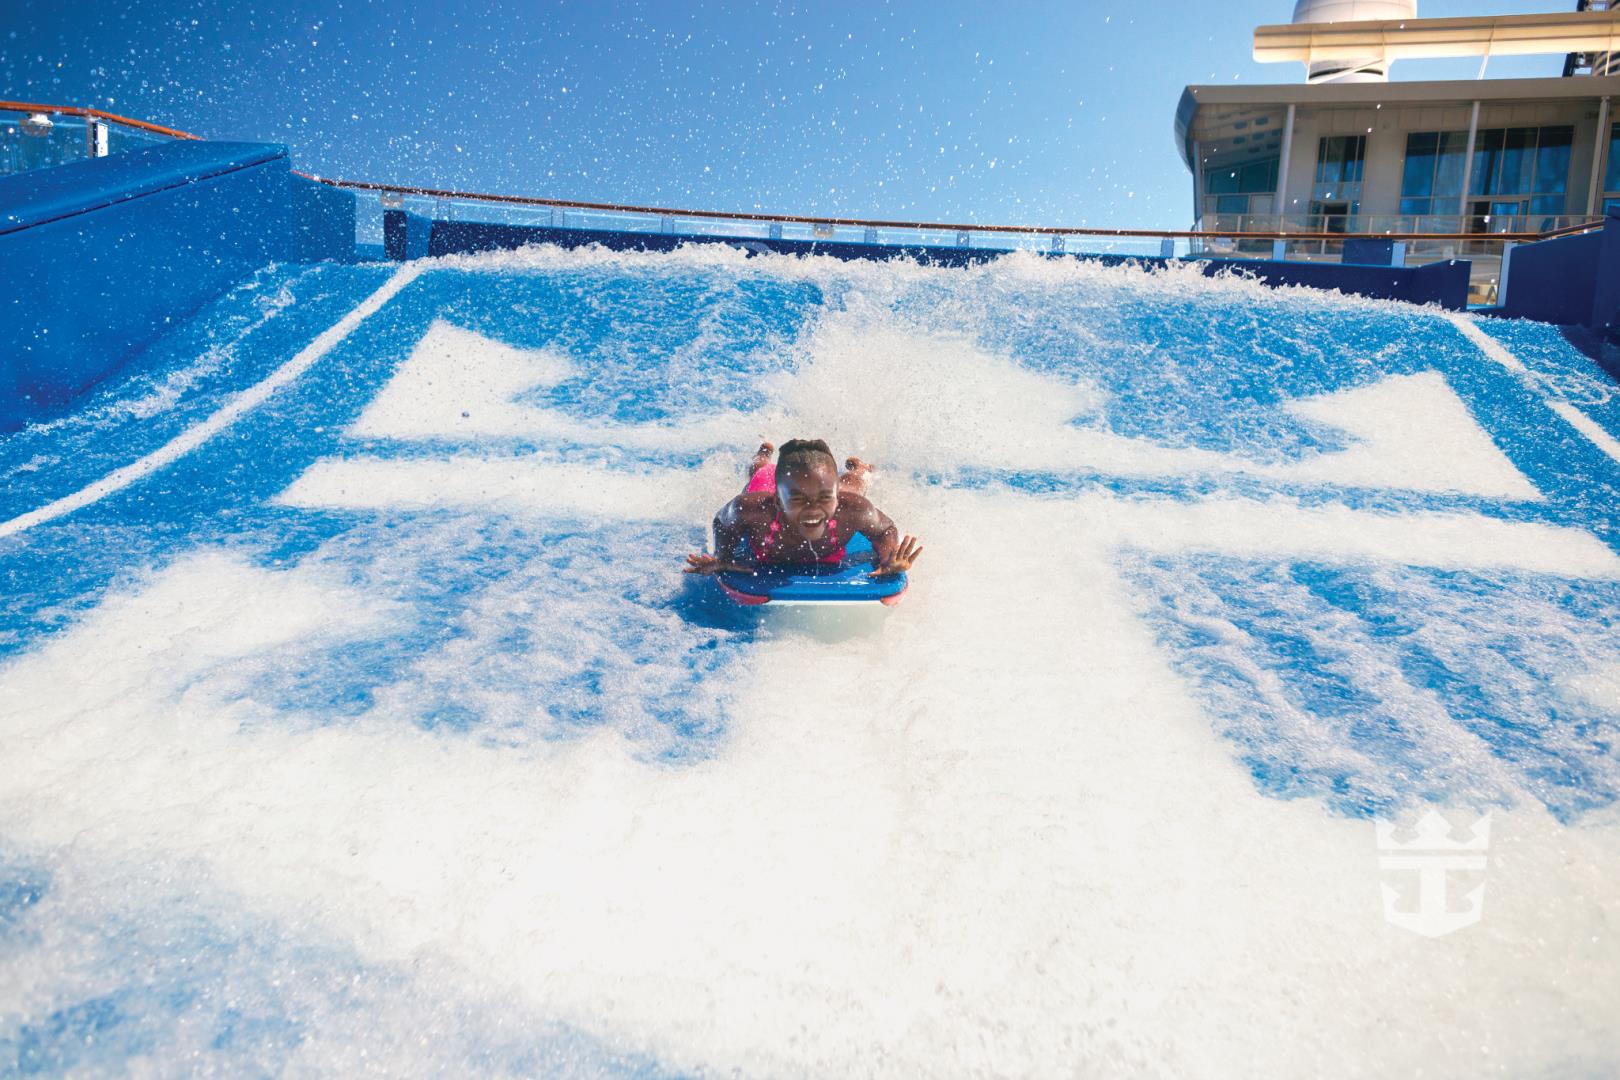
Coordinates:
[1232,204]
[1418,177]
[1221,181]
[1487,161]
[1414,206]
[1339,160]
[1612,176]
[1448,169]
[1547,204]
[1552,160]
[1518,162]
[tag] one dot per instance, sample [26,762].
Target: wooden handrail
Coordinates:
[803,219]
[74,110]
[929,226]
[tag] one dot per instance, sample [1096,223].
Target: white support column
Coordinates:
[1282,164]
[1502,274]
[1198,183]
[1468,162]
[1600,144]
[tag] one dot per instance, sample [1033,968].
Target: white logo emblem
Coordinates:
[1433,856]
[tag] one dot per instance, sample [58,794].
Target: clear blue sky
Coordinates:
[1053,113]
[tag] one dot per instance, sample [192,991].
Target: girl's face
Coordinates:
[809,499]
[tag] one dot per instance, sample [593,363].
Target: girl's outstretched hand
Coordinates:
[713,564]
[901,559]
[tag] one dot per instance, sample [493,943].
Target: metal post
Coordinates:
[1279,250]
[1468,165]
[1282,165]
[776,230]
[869,236]
[1397,253]
[1057,244]
[95,138]
[1599,142]
[964,239]
[1167,247]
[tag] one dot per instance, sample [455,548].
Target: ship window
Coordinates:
[1260,176]
[1507,161]
[1611,176]
[1338,163]
[1417,179]
[1249,178]
[1521,161]
[1552,161]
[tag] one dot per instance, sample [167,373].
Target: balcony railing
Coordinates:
[39,136]
[1485,228]
[32,136]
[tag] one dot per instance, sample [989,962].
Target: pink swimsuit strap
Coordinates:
[776,527]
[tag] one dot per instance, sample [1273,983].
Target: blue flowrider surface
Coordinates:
[356,715]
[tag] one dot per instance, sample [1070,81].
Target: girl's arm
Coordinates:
[728,537]
[893,553]
[729,529]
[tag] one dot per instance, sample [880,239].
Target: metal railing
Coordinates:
[34,136]
[1296,237]
[1517,227]
[68,132]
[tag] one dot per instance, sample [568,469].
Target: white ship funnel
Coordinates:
[1372,68]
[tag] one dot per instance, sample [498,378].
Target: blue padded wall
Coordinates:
[98,257]
[1552,281]
[1572,280]
[323,221]
[407,235]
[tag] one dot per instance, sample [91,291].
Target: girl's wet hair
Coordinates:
[799,456]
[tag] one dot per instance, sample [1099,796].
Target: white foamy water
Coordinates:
[1010,833]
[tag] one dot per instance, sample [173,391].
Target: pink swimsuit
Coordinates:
[776,527]
[764,479]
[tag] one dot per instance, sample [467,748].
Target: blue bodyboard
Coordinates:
[846,582]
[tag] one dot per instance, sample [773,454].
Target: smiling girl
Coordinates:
[800,511]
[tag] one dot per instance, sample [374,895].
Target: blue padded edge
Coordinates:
[38,196]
